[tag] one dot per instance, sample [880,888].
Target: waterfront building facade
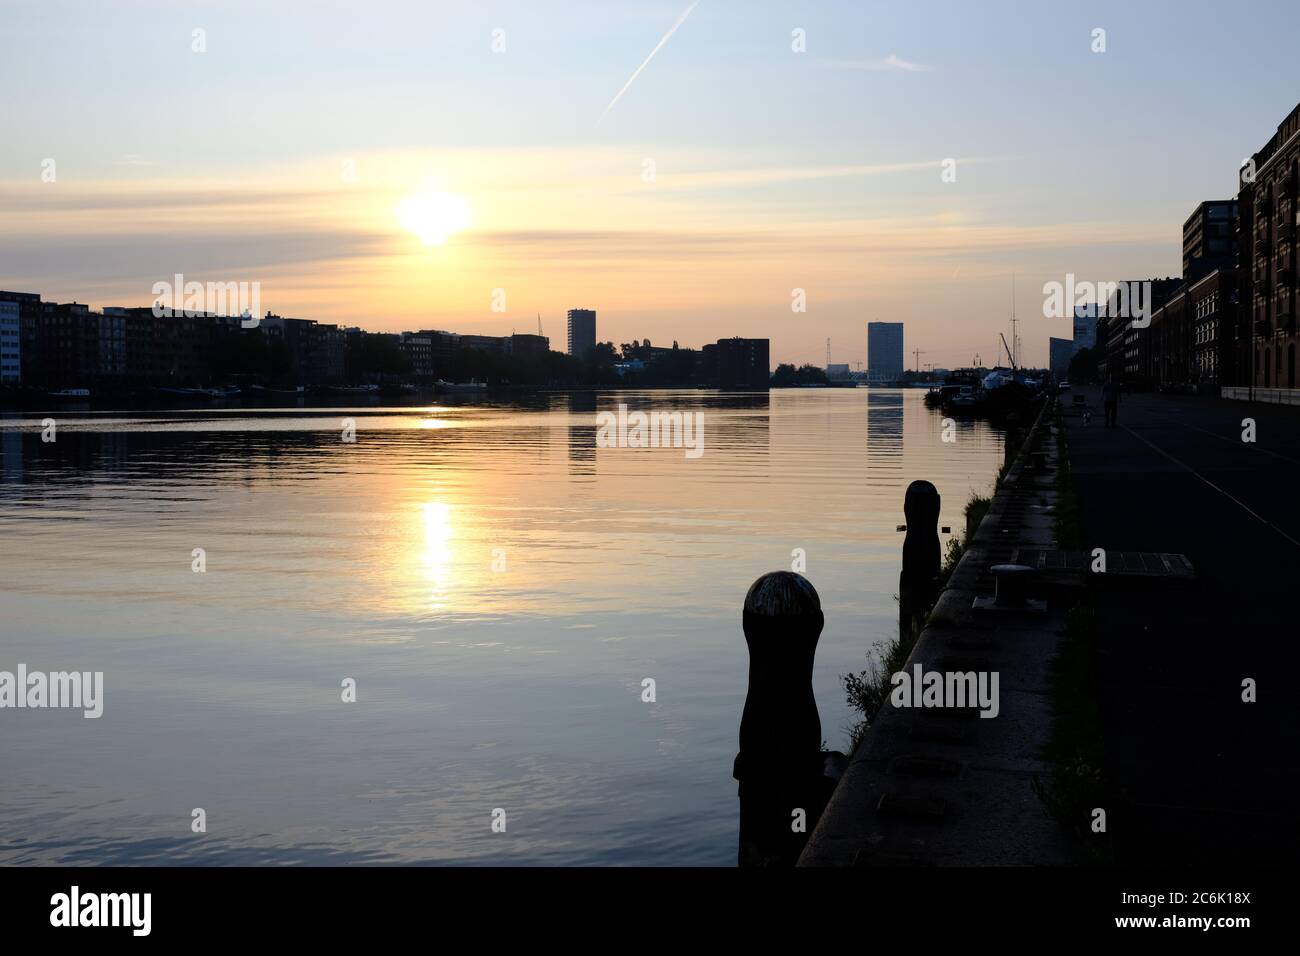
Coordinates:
[29,331]
[1269,192]
[418,350]
[11,364]
[743,364]
[494,344]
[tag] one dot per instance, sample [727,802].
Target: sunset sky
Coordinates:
[283,153]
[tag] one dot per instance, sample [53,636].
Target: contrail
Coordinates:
[646,62]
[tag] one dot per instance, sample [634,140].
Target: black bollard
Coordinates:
[918,581]
[782,771]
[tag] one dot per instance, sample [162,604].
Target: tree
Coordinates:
[811,375]
[599,361]
[784,376]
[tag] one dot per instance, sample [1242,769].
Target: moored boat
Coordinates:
[451,387]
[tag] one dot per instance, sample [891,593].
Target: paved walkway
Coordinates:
[1204,775]
[934,787]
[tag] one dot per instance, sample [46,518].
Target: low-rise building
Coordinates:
[528,344]
[69,345]
[418,350]
[1128,346]
[316,352]
[495,344]
[442,346]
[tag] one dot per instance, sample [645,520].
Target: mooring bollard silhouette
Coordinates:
[918,581]
[1011,583]
[785,778]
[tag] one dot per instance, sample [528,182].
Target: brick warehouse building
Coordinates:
[1126,351]
[1268,239]
[1214,309]
[1170,343]
[1193,334]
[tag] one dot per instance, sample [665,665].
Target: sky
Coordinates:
[685,198]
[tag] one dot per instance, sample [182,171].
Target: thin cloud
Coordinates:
[646,62]
[110,195]
[890,64]
[740,178]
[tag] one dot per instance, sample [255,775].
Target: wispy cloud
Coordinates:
[646,62]
[748,177]
[890,64]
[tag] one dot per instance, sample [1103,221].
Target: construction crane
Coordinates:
[918,353]
[1008,348]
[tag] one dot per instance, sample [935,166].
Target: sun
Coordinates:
[433,216]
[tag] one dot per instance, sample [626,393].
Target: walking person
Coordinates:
[1110,401]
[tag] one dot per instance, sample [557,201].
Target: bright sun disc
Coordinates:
[433,216]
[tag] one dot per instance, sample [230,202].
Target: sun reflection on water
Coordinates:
[439,554]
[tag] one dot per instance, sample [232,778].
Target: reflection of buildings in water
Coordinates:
[581,408]
[113,453]
[85,456]
[11,448]
[73,455]
[884,436]
[738,423]
[732,422]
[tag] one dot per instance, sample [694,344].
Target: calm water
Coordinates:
[477,688]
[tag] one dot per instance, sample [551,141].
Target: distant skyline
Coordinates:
[382,166]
